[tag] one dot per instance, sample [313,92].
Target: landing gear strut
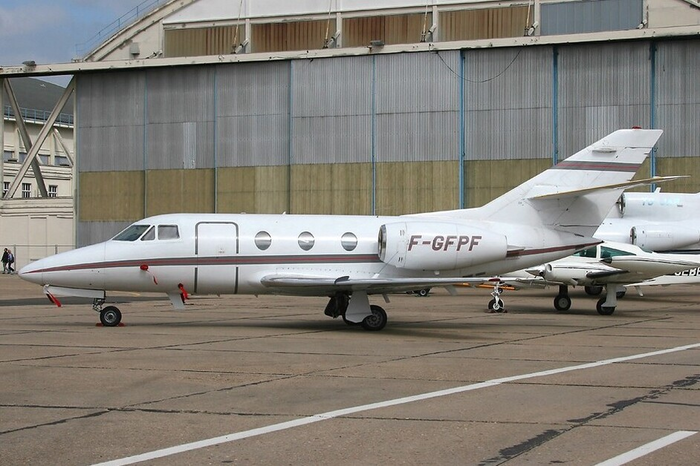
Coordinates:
[606,305]
[497,304]
[356,310]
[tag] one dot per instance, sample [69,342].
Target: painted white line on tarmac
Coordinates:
[382,404]
[648,448]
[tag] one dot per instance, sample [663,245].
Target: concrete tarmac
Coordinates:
[275,370]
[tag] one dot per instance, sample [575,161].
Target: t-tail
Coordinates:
[576,194]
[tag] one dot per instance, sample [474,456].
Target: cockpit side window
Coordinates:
[610,252]
[590,253]
[132,233]
[150,235]
[168,232]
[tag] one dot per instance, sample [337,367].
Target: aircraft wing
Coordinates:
[312,285]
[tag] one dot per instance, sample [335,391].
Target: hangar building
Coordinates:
[367,107]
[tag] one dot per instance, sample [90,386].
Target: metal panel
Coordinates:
[417,107]
[394,29]
[111,148]
[602,88]
[678,102]
[95,232]
[111,99]
[508,103]
[297,35]
[111,112]
[590,16]
[252,127]
[331,110]
[486,23]
[180,145]
[180,112]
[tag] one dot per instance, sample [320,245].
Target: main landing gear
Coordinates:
[110,316]
[355,310]
[605,305]
[496,304]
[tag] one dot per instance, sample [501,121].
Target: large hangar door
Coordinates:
[216,247]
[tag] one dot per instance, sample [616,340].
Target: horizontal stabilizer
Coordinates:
[584,191]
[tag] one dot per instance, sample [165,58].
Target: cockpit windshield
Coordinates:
[132,233]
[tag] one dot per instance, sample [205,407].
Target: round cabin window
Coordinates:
[306,241]
[263,240]
[349,241]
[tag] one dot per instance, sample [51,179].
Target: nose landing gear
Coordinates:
[110,316]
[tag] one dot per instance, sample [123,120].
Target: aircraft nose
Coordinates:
[32,273]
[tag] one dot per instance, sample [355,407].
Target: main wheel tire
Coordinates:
[493,307]
[345,319]
[562,302]
[604,310]
[110,316]
[376,321]
[423,293]
[621,294]
[593,290]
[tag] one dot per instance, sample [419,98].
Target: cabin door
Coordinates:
[216,248]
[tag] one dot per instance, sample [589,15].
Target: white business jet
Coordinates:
[348,258]
[613,266]
[658,221]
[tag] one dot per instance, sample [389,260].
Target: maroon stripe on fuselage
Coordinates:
[333,259]
[224,260]
[598,166]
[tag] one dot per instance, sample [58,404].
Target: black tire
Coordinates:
[562,302]
[621,294]
[604,310]
[494,308]
[376,321]
[348,322]
[593,290]
[110,316]
[423,293]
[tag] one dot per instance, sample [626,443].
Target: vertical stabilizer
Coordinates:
[612,160]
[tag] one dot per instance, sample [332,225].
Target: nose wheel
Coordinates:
[110,316]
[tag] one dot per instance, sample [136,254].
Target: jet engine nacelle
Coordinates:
[438,245]
[663,237]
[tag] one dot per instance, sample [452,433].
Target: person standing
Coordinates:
[10,262]
[5,260]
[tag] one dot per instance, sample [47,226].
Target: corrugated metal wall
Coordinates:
[590,16]
[508,103]
[297,35]
[678,98]
[111,110]
[393,29]
[214,40]
[602,88]
[331,110]
[252,114]
[417,109]
[375,134]
[486,23]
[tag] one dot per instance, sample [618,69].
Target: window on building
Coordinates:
[61,161]
[44,159]
[26,190]
[5,187]
[53,190]
[8,155]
